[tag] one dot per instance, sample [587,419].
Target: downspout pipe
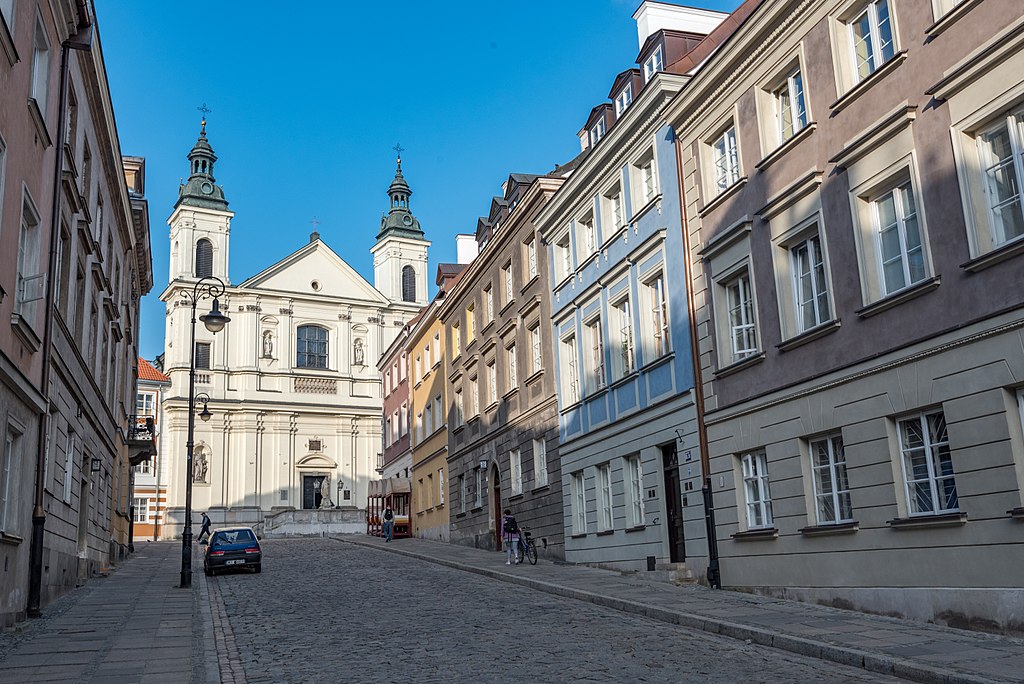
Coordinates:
[82,40]
[714,572]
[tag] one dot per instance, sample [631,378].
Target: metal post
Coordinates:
[186,534]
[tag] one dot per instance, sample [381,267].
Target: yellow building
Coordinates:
[428,408]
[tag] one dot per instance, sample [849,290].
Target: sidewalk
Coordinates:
[912,650]
[134,627]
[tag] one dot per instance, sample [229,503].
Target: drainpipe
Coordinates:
[714,573]
[82,40]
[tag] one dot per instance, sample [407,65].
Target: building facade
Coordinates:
[854,224]
[502,416]
[149,478]
[395,454]
[292,379]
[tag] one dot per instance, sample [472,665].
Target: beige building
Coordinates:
[851,171]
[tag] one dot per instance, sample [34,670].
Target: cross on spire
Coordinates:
[398,148]
[205,110]
[315,222]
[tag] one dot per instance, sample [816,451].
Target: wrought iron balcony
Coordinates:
[141,439]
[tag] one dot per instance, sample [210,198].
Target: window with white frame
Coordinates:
[725,159]
[624,352]
[594,341]
[653,64]
[570,371]
[927,464]
[470,323]
[515,464]
[439,418]
[430,490]
[741,322]
[612,219]
[140,509]
[40,66]
[563,257]
[898,239]
[460,412]
[30,282]
[644,173]
[474,396]
[1001,147]
[492,383]
[11,457]
[403,420]
[587,241]
[488,305]
[440,486]
[401,367]
[790,106]
[512,366]
[69,464]
[462,493]
[810,286]
[540,463]
[143,468]
[531,259]
[656,337]
[426,362]
[436,349]
[456,340]
[755,490]
[536,359]
[419,427]
[597,131]
[623,99]
[579,503]
[203,355]
[3,172]
[506,276]
[479,487]
[417,376]
[429,420]
[145,404]
[831,487]
[604,496]
[635,487]
[871,38]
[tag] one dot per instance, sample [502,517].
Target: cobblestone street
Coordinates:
[327,611]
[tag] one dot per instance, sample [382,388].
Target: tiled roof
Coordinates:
[148,372]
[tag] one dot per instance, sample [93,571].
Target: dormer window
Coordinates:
[597,132]
[653,65]
[624,99]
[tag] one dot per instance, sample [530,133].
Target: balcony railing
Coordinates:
[141,429]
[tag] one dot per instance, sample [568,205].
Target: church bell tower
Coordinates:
[400,253]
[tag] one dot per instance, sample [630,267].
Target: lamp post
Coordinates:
[207,287]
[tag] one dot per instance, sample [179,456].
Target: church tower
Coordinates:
[201,222]
[400,253]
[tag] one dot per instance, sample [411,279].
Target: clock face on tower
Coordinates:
[206,187]
[407,220]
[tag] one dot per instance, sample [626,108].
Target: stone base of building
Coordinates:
[997,610]
[435,533]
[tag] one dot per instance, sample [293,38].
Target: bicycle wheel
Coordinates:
[531,552]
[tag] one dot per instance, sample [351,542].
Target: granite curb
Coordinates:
[873,662]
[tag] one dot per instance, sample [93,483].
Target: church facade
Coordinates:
[292,382]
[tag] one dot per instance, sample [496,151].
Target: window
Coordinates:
[40,66]
[927,464]
[1002,159]
[535,352]
[474,396]
[418,427]
[588,233]
[604,496]
[419,371]
[140,509]
[579,503]
[653,65]
[403,420]
[202,356]
[143,468]
[31,278]
[624,354]
[656,337]
[204,258]
[506,274]
[470,323]
[462,493]
[69,464]
[387,432]
[635,486]
[810,285]
[540,463]
[145,404]
[742,327]
[570,372]
[479,487]
[901,251]
[513,373]
[438,414]
[612,218]
[831,487]
[623,99]
[595,349]
[456,340]
[3,169]
[437,348]
[7,13]
[488,305]
[531,259]
[755,488]
[726,159]
[440,486]
[790,107]
[563,257]
[430,490]
[597,132]
[871,37]
[460,414]
[8,487]
[312,347]
[492,384]
[428,420]
[408,284]
[515,464]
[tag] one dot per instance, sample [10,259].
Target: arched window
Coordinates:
[312,347]
[408,284]
[204,258]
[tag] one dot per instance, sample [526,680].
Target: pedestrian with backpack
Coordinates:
[510,535]
[389,522]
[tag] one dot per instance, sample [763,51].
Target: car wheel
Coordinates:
[258,568]
[207,571]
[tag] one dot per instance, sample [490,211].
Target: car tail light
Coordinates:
[253,549]
[216,553]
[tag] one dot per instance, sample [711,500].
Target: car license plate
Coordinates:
[235,562]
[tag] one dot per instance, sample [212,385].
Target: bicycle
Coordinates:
[527,545]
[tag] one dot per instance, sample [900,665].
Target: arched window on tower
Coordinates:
[204,258]
[408,284]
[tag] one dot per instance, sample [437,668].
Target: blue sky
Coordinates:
[308,104]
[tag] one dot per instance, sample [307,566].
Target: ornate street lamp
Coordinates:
[208,287]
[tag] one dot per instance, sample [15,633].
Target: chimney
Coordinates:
[465,248]
[651,17]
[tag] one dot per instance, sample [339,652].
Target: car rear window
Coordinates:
[232,537]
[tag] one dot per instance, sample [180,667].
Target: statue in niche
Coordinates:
[268,344]
[200,466]
[325,493]
[357,350]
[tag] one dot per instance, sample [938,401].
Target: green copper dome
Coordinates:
[201,189]
[398,220]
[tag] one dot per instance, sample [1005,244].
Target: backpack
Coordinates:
[510,525]
[388,515]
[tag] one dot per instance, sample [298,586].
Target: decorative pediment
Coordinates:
[317,462]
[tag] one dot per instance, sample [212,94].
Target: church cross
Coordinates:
[398,148]
[315,222]
[205,110]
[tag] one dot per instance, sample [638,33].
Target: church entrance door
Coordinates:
[311,496]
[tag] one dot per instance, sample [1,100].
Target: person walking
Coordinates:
[389,522]
[205,529]
[510,535]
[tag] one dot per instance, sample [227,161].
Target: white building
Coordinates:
[293,386]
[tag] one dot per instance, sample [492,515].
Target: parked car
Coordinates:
[233,547]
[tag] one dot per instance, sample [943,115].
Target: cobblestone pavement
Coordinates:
[327,611]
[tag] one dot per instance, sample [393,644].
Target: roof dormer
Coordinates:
[600,120]
[625,89]
[665,47]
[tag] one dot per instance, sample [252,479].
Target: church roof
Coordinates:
[201,189]
[399,220]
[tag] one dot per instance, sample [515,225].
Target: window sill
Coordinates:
[533,376]
[954,519]
[476,509]
[785,147]
[577,536]
[459,428]
[487,326]
[516,497]
[7,42]
[950,17]
[742,364]
[900,296]
[574,405]
[25,332]
[473,419]
[653,201]
[661,360]
[1003,252]
[814,333]
[506,306]
[596,394]
[589,259]
[12,539]
[604,533]
[460,515]
[512,392]
[637,528]
[544,488]
[528,283]
[829,530]
[490,407]
[625,379]
[760,534]
[865,84]
[720,198]
[39,121]
[1016,513]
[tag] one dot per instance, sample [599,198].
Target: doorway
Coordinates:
[495,505]
[673,505]
[311,496]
